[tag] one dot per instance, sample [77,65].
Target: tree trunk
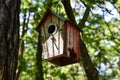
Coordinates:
[90,70]
[9,38]
[39,73]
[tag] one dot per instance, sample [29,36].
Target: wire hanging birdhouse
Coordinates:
[60,39]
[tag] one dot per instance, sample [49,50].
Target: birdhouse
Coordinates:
[60,39]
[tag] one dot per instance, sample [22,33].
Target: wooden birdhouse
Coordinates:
[60,39]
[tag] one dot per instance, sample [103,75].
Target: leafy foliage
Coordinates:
[100,35]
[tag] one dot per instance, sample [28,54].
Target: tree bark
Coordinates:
[9,38]
[39,74]
[68,10]
[90,70]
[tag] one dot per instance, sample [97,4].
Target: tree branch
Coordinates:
[85,16]
[69,12]
[22,45]
[110,30]
[39,73]
[90,70]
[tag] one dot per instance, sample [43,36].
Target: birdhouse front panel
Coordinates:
[52,32]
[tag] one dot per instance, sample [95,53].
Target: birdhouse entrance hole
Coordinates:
[52,28]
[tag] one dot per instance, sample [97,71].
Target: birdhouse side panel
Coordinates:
[73,41]
[77,42]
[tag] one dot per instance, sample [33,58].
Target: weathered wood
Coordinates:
[60,39]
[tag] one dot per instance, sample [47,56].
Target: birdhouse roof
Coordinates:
[48,12]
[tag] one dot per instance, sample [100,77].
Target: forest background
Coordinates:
[99,21]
